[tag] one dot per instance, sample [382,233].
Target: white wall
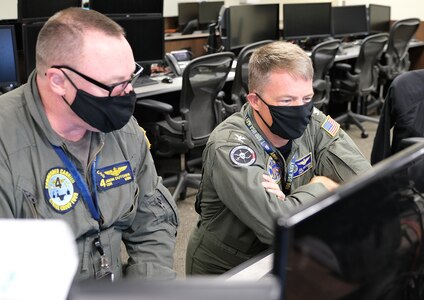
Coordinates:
[9,9]
[400,8]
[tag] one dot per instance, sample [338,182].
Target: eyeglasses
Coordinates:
[113,89]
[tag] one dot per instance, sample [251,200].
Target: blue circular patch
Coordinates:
[60,190]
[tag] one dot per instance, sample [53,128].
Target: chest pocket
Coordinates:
[35,205]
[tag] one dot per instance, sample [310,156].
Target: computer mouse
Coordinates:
[167,80]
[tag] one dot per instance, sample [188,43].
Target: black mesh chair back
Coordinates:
[372,48]
[203,79]
[322,57]
[359,84]
[396,56]
[239,88]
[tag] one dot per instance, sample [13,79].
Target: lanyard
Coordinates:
[268,149]
[86,195]
[105,270]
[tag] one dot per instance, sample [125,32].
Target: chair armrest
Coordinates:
[161,107]
[343,66]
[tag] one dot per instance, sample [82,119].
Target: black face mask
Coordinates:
[289,122]
[104,113]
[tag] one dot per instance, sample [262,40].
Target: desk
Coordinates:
[194,42]
[163,88]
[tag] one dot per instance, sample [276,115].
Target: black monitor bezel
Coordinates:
[184,7]
[305,35]
[388,9]
[108,7]
[210,5]
[160,56]
[17,81]
[351,33]
[227,14]
[380,170]
[25,18]
[28,68]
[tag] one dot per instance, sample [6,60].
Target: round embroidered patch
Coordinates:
[274,170]
[243,155]
[60,190]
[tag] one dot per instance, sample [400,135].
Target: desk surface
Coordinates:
[163,88]
[178,36]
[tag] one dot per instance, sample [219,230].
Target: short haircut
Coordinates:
[278,56]
[61,39]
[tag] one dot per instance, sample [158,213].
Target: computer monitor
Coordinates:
[242,25]
[306,20]
[187,11]
[350,20]
[9,69]
[361,241]
[127,6]
[209,11]
[379,18]
[29,10]
[145,34]
[29,40]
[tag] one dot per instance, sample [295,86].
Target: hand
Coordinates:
[272,187]
[327,182]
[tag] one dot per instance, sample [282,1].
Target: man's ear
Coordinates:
[253,100]
[56,81]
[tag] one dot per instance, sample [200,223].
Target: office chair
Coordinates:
[202,80]
[401,116]
[239,88]
[359,84]
[395,60]
[322,57]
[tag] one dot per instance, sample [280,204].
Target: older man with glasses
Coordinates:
[70,149]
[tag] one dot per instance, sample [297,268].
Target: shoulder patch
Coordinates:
[145,136]
[330,126]
[242,155]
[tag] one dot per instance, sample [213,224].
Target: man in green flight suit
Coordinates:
[276,154]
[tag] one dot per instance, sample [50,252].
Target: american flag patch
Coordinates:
[330,126]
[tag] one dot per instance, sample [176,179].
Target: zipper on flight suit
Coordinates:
[32,201]
[90,182]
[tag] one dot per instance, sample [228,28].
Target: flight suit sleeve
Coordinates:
[339,158]
[150,240]
[240,189]
[7,208]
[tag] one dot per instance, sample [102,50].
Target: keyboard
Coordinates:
[351,44]
[144,81]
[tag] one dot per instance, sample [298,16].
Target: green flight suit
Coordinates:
[134,205]
[237,214]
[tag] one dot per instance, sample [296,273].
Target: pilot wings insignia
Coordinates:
[114,176]
[303,162]
[115,171]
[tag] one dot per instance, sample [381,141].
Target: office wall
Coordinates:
[8,9]
[400,9]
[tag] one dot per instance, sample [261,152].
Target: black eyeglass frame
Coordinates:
[109,88]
